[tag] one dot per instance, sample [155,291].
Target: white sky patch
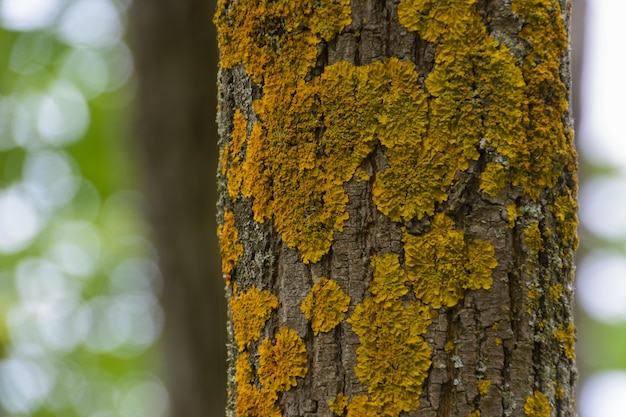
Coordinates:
[604,395]
[602,206]
[91,23]
[28,15]
[602,136]
[601,285]
[20,221]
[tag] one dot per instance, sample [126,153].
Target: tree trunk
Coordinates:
[397,207]
[176,142]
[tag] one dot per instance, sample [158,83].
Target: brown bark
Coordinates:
[173,43]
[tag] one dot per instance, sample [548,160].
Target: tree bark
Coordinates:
[397,210]
[176,144]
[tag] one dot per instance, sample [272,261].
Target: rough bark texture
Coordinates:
[483,338]
[176,71]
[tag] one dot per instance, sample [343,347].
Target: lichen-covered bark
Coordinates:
[400,177]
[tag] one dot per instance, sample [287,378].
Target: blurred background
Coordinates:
[80,316]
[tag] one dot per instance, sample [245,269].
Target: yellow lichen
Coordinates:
[449,347]
[443,263]
[251,401]
[532,237]
[234,173]
[483,386]
[513,213]
[361,175]
[559,393]
[250,310]
[475,413]
[566,336]
[493,179]
[339,404]
[537,405]
[498,341]
[549,138]
[361,406]
[283,361]
[325,305]
[269,37]
[564,211]
[230,248]
[555,292]
[393,358]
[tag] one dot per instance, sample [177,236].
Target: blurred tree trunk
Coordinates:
[397,207]
[176,63]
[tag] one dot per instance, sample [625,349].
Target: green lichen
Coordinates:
[443,263]
[250,311]
[537,405]
[325,305]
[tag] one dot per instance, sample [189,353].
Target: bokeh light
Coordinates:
[79,282]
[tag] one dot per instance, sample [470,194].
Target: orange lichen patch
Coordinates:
[566,336]
[393,358]
[339,404]
[230,248]
[493,179]
[282,362]
[483,386]
[564,211]
[549,138]
[250,310]
[325,305]
[537,405]
[269,37]
[250,401]
[443,263]
[234,173]
[532,237]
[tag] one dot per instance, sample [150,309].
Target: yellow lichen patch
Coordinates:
[250,310]
[493,179]
[295,174]
[532,237]
[564,210]
[443,263]
[230,248]
[339,404]
[476,89]
[361,175]
[566,336]
[483,386]
[282,362]
[269,37]
[250,401]
[449,347]
[559,393]
[475,413]
[234,174]
[325,305]
[498,341]
[513,213]
[393,358]
[361,406]
[549,138]
[537,405]
[555,292]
